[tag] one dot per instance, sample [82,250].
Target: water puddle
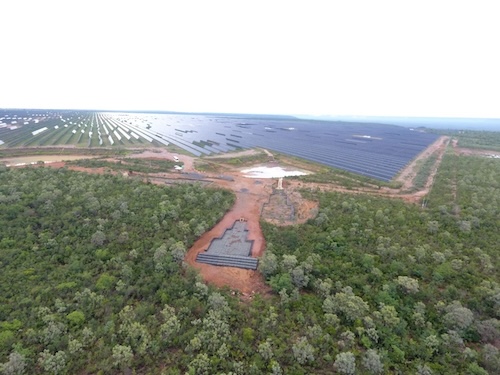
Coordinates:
[271,172]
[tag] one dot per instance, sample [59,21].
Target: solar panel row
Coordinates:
[379,151]
[228,261]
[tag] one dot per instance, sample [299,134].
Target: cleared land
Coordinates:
[42,158]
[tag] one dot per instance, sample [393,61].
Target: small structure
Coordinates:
[280,184]
[233,249]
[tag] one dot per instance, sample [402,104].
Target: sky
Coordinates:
[367,58]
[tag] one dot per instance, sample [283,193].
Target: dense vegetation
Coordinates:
[482,140]
[485,140]
[378,286]
[92,280]
[91,270]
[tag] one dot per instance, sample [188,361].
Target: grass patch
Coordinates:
[424,170]
[243,160]
[346,179]
[128,164]
[343,178]
[207,167]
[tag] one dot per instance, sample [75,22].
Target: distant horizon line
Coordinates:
[296,115]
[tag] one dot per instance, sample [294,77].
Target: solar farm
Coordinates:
[378,151]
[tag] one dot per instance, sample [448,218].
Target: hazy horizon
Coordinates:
[438,123]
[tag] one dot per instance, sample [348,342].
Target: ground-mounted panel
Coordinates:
[232,249]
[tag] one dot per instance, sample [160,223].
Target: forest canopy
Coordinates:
[93,280]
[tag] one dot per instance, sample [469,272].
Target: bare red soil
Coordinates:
[249,198]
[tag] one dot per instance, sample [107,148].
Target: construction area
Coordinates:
[278,207]
[232,249]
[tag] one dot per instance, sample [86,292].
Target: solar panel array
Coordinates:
[228,261]
[232,249]
[375,150]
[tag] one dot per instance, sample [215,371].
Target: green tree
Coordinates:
[268,264]
[98,238]
[178,250]
[200,365]
[372,362]
[303,352]
[53,363]
[105,282]
[16,365]
[122,356]
[171,324]
[458,317]
[351,306]
[289,262]
[345,363]
[76,318]
[265,350]
[408,284]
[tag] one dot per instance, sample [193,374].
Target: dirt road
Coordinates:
[407,175]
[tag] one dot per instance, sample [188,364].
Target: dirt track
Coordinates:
[408,174]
